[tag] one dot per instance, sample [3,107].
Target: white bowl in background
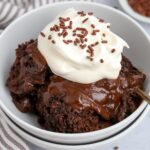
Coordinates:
[29,26]
[128,9]
[105,144]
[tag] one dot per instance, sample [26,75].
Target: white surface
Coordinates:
[138,139]
[28,122]
[94,146]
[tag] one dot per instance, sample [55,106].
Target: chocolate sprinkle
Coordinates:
[70,25]
[65,34]
[82,46]
[113,50]
[53,41]
[85,39]
[104,41]
[96,43]
[108,26]
[91,51]
[85,20]
[92,25]
[95,31]
[103,34]
[49,37]
[90,58]
[101,20]
[79,34]
[101,61]
[74,34]
[42,34]
[81,13]
[65,41]
[90,13]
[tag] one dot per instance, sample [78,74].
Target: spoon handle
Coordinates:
[144,95]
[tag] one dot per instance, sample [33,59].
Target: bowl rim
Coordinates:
[119,135]
[69,135]
[125,5]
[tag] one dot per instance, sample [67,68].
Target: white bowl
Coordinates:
[105,144]
[128,9]
[29,26]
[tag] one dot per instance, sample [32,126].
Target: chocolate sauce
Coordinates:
[103,96]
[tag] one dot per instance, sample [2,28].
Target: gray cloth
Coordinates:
[9,140]
[11,9]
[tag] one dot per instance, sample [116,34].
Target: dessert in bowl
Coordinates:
[88,88]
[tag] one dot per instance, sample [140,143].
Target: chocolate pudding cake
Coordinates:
[62,102]
[65,106]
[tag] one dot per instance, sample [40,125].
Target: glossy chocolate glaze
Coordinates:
[103,96]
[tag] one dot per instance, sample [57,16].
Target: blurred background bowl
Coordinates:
[127,8]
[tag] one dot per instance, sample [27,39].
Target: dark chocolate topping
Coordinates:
[103,96]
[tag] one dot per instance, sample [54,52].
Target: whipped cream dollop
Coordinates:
[81,48]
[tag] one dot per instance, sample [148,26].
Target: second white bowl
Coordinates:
[105,144]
